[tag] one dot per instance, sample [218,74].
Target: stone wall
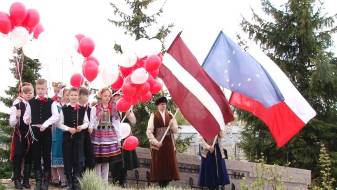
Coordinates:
[293,178]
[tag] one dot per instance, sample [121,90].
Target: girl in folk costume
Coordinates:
[164,163]
[57,170]
[21,140]
[104,134]
[213,172]
[130,160]
[74,119]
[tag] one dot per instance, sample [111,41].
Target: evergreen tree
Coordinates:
[297,37]
[30,73]
[325,180]
[136,25]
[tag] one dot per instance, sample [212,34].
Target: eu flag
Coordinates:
[236,70]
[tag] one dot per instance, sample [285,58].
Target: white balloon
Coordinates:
[154,47]
[124,130]
[19,37]
[32,49]
[127,60]
[69,46]
[110,74]
[142,47]
[139,76]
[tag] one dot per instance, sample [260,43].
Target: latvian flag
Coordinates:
[198,97]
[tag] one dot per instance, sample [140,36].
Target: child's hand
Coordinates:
[18,113]
[78,129]
[72,130]
[28,120]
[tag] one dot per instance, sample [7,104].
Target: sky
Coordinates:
[200,21]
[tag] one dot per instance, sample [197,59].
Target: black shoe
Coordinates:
[17,184]
[26,184]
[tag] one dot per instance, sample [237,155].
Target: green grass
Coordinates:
[90,181]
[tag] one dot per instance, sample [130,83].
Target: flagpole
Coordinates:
[168,127]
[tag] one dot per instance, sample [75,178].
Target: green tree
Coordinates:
[325,180]
[136,25]
[297,37]
[30,72]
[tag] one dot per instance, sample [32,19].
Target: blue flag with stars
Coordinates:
[234,69]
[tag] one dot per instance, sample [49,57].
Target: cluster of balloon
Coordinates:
[21,25]
[90,67]
[137,78]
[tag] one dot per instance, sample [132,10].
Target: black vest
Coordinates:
[72,117]
[41,111]
[23,128]
[88,111]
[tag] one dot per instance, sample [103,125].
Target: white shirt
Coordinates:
[66,128]
[51,120]
[150,127]
[94,122]
[13,120]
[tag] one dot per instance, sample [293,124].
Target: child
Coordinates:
[87,154]
[41,113]
[57,172]
[103,125]
[21,137]
[130,160]
[213,170]
[74,119]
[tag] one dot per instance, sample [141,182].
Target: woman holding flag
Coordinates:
[160,129]
[213,172]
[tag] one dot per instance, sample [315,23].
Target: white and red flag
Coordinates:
[198,97]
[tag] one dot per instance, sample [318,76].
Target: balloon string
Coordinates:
[19,61]
[125,114]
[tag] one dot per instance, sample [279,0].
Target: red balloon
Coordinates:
[151,80]
[90,70]
[154,73]
[17,13]
[123,105]
[31,20]
[92,58]
[133,99]
[143,88]
[156,87]
[140,62]
[38,30]
[130,143]
[128,88]
[86,46]
[5,23]
[126,71]
[118,84]
[76,80]
[152,63]
[146,97]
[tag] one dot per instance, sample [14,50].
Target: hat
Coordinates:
[161,100]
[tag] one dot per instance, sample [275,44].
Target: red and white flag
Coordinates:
[198,97]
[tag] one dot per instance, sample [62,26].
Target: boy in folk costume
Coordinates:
[130,160]
[41,113]
[163,163]
[213,172]
[57,167]
[104,137]
[87,153]
[21,140]
[73,120]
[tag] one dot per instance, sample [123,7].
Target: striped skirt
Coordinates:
[105,144]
